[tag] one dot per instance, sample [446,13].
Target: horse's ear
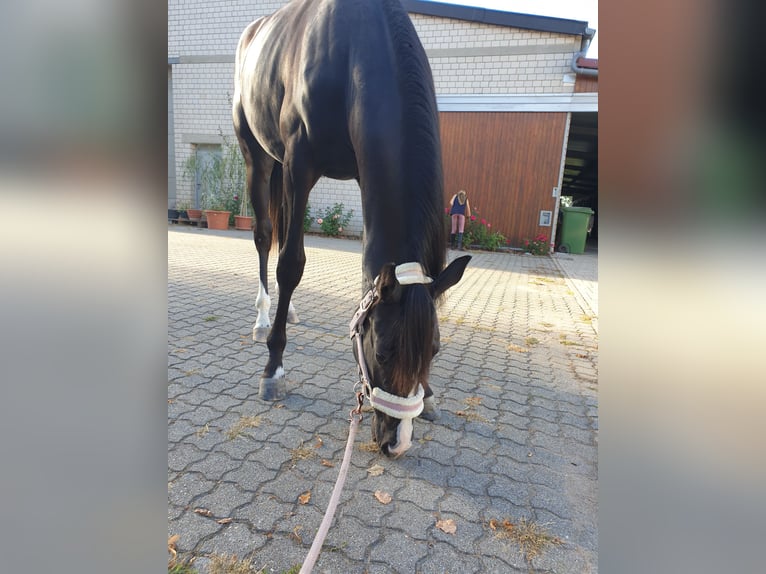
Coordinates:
[450,275]
[387,283]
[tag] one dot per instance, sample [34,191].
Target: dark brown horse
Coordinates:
[343,89]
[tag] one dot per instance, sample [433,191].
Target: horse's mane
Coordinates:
[421,145]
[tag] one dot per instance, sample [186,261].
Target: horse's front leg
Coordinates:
[292,260]
[429,412]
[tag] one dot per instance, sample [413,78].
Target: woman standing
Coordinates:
[460,208]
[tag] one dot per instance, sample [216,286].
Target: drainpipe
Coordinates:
[587,39]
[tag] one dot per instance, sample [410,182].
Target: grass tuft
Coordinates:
[239,427]
[225,564]
[371,446]
[302,453]
[532,538]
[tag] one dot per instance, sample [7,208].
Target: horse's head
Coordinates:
[400,338]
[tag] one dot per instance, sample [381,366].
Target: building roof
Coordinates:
[590,63]
[510,19]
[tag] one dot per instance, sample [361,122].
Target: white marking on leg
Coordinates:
[279,373]
[262,304]
[262,324]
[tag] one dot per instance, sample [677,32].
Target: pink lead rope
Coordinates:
[316,546]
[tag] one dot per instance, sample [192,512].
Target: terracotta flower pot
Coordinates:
[217,219]
[194,214]
[243,222]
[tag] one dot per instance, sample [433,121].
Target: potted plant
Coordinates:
[183,207]
[221,177]
[244,220]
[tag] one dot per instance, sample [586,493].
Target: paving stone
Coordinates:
[530,452]
[399,551]
[443,558]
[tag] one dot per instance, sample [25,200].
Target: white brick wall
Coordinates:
[465,57]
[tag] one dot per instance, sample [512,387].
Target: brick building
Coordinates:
[518,106]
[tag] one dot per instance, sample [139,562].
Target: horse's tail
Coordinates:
[278,214]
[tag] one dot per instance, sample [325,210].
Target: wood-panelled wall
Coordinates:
[508,163]
[585,84]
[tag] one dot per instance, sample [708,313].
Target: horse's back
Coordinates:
[326,66]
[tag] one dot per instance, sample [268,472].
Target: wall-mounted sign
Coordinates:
[545,218]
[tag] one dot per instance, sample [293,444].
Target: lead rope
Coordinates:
[316,546]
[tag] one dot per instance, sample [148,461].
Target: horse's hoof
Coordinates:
[261,334]
[292,317]
[430,412]
[272,389]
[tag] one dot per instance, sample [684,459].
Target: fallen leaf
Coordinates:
[223,520]
[172,544]
[375,470]
[326,462]
[493,524]
[305,497]
[319,442]
[447,526]
[279,407]
[203,512]
[383,497]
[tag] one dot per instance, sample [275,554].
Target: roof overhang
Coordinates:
[576,102]
[497,17]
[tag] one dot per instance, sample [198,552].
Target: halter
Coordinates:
[392,405]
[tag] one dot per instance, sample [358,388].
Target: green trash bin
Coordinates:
[574,229]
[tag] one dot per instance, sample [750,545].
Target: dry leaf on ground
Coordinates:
[326,462]
[447,526]
[223,520]
[305,497]
[172,544]
[383,497]
[203,512]
[375,470]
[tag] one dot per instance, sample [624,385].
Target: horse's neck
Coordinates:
[395,236]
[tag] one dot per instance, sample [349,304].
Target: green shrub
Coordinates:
[307,218]
[333,221]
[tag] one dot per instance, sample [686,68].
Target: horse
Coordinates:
[343,89]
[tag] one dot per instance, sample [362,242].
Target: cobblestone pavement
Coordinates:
[517,437]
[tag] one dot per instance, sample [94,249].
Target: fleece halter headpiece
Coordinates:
[392,405]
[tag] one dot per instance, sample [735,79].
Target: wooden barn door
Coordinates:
[508,163]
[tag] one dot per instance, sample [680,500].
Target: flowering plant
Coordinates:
[478,231]
[537,246]
[333,220]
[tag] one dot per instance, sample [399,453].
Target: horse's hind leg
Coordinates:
[259,166]
[262,231]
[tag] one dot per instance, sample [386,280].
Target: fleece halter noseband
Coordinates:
[392,405]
